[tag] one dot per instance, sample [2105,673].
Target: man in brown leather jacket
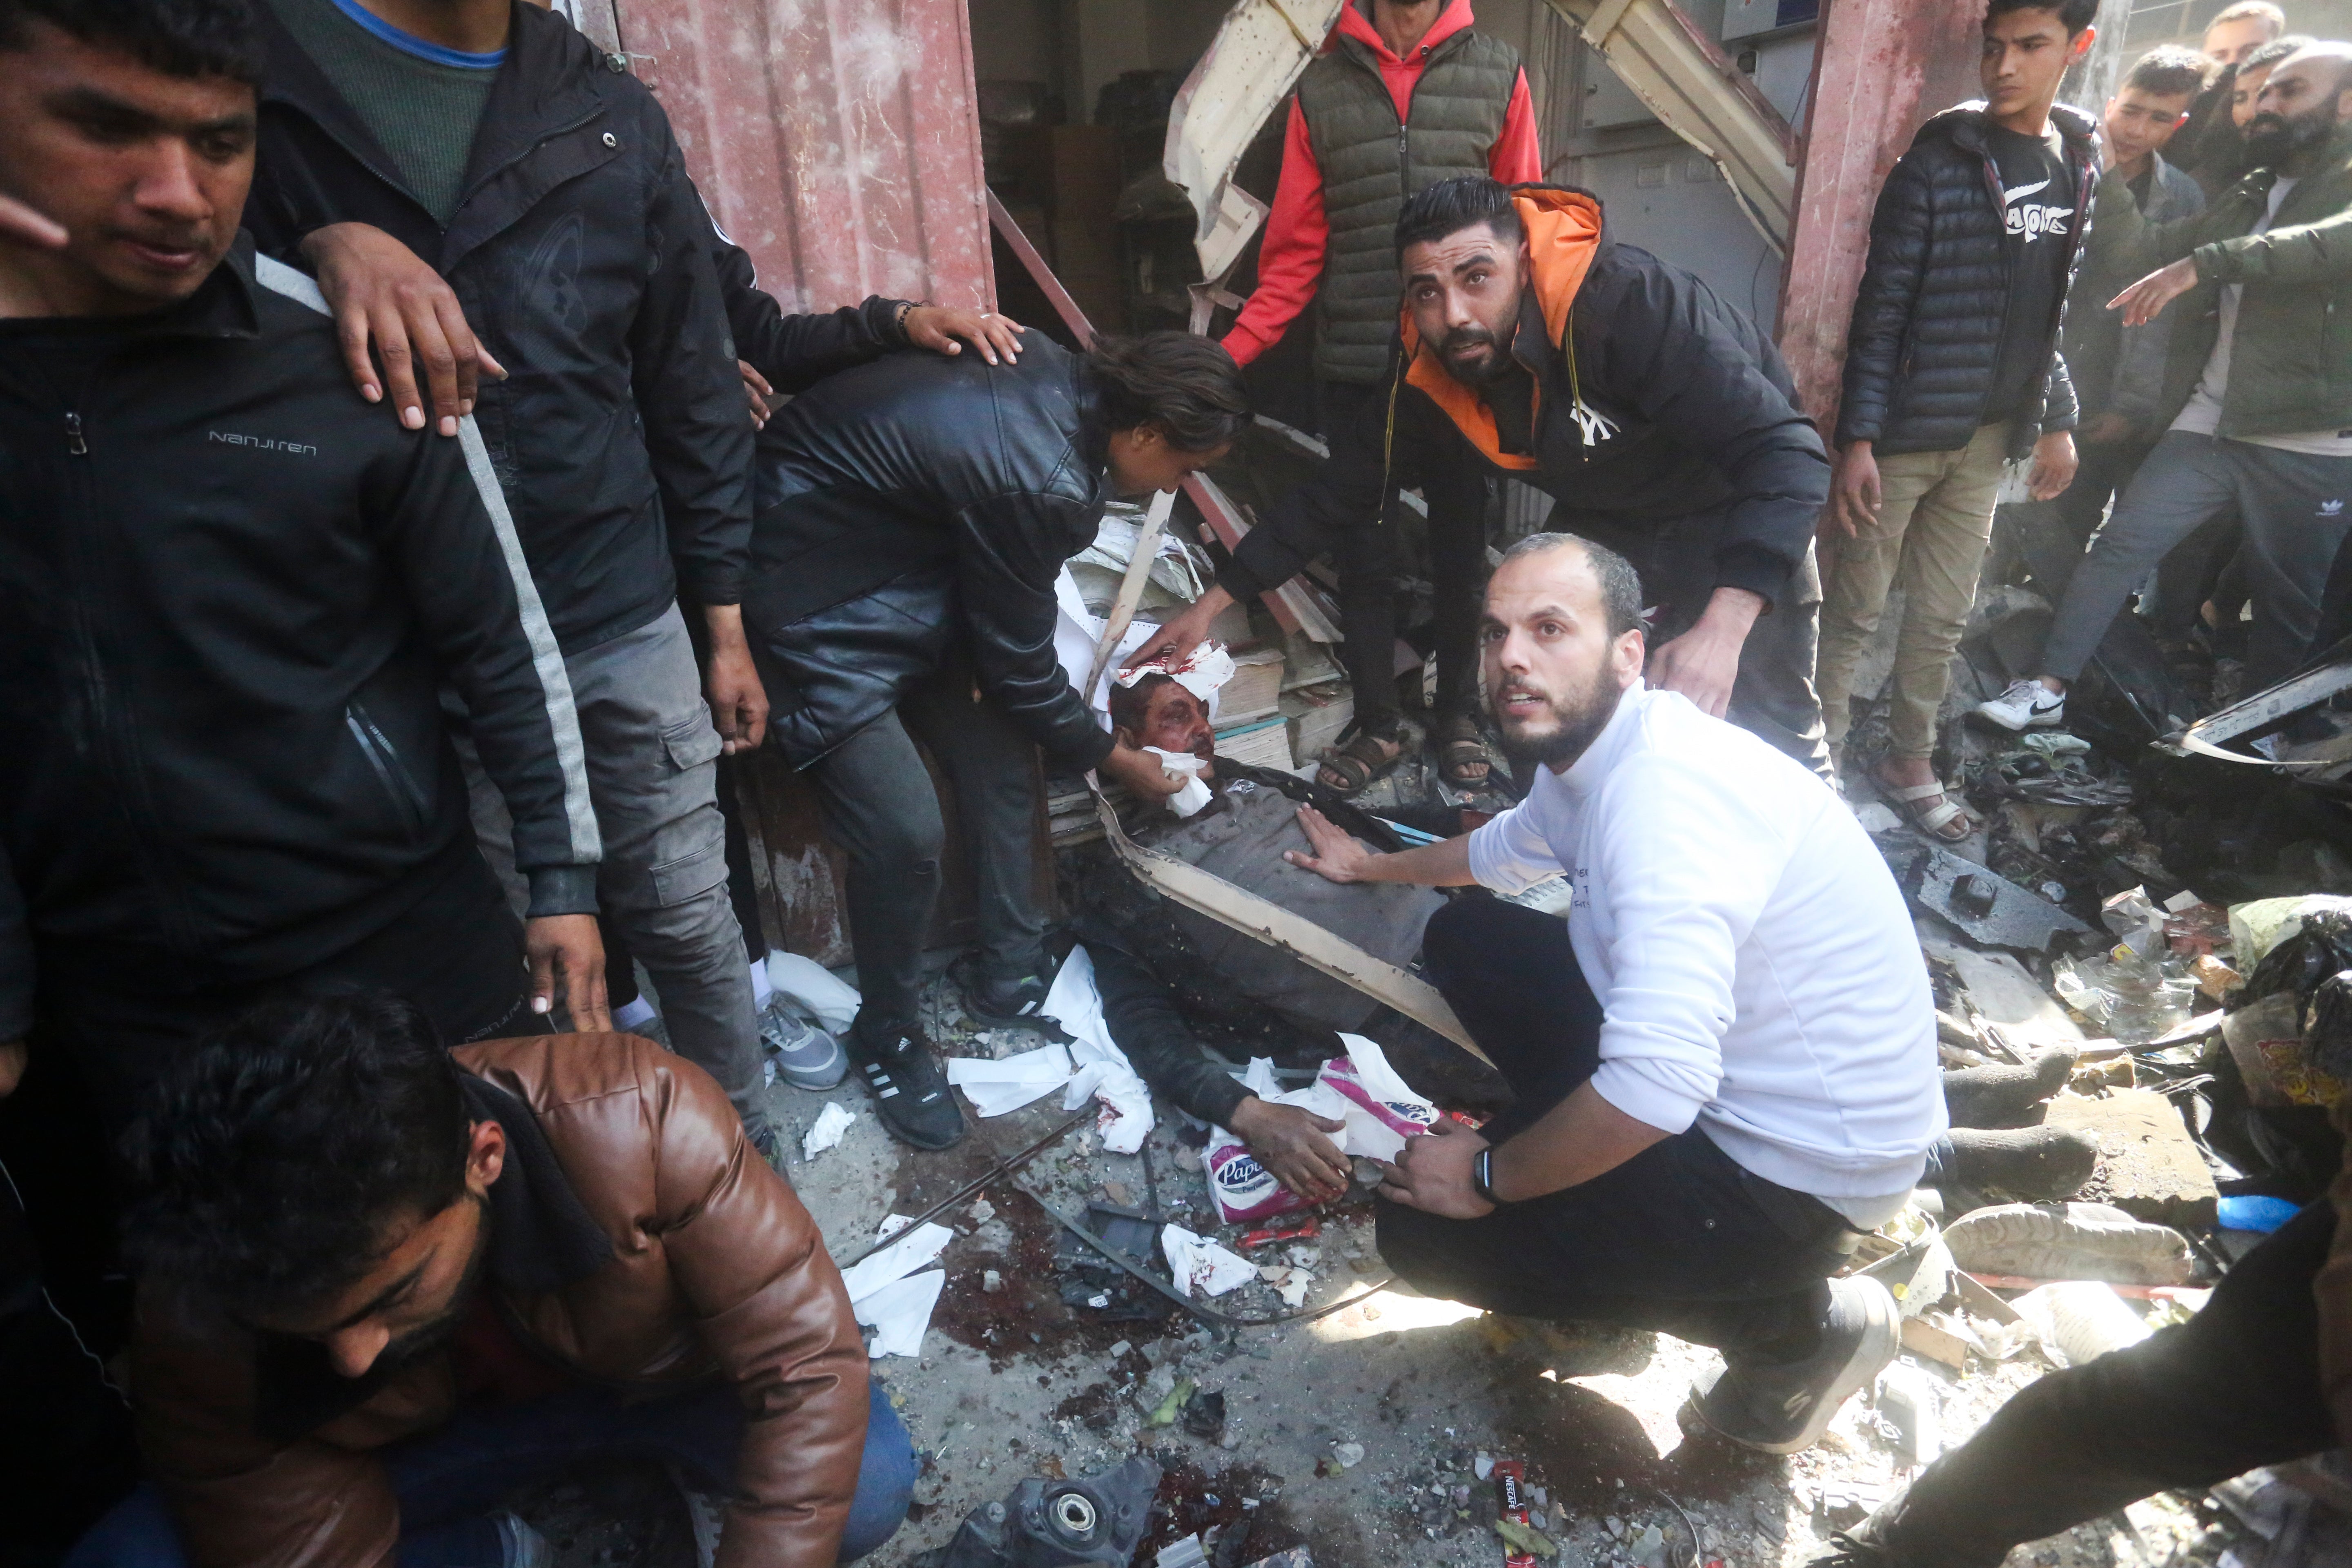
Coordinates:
[383,1284]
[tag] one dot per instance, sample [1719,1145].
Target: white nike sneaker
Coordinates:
[2026,705]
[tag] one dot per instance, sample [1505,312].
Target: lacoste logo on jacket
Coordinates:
[265,443]
[1592,424]
[2033,222]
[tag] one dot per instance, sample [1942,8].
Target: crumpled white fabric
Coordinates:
[888,1294]
[1202,1265]
[1200,672]
[1076,631]
[1100,1069]
[818,991]
[1186,766]
[830,1123]
[996,1088]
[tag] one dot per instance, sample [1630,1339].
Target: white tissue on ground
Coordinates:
[888,1294]
[1200,1265]
[830,1123]
[996,1088]
[917,1249]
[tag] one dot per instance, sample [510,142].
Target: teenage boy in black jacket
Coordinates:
[1663,421]
[490,140]
[229,593]
[1952,371]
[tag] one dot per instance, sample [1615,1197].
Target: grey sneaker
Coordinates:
[806,1056]
[1784,1409]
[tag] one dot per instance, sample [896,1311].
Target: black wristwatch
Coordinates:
[1482,1176]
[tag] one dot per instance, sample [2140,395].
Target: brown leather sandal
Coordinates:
[1356,762]
[1460,750]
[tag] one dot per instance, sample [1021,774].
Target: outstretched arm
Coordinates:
[1340,858]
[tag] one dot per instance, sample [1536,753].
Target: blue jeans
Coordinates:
[450,1479]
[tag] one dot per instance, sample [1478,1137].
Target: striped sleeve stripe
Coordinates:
[547,658]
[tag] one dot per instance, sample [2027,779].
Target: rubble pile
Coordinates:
[2134,967]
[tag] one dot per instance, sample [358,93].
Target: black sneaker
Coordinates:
[1004,1003]
[1785,1408]
[910,1090]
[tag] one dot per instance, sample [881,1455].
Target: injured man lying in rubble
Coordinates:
[383,1285]
[1173,980]
[1724,1057]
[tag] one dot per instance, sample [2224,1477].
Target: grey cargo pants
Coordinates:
[652,755]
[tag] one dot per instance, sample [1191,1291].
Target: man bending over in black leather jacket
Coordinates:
[912,515]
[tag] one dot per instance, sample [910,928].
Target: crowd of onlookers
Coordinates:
[391,576]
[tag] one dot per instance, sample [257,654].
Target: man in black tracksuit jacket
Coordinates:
[229,593]
[567,231]
[1661,420]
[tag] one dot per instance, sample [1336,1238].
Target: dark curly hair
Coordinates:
[178,38]
[1449,206]
[1188,386]
[272,1160]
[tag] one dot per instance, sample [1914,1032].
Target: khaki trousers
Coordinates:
[1935,518]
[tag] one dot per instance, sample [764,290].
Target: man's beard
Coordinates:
[422,1340]
[2275,139]
[1498,357]
[1576,724]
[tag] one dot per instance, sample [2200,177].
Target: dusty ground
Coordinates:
[1014,1383]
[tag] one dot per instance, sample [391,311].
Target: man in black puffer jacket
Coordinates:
[912,517]
[1952,370]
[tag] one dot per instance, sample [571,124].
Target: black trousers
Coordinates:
[2234,1387]
[1679,1238]
[880,807]
[1773,696]
[1368,560]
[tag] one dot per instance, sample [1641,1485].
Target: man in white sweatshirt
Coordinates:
[1724,1058]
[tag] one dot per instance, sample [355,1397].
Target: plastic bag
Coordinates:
[1380,1108]
[2302,994]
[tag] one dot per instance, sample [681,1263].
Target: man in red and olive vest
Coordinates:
[1404,95]
[1660,419]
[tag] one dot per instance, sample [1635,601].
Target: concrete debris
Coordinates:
[2149,1166]
[1989,909]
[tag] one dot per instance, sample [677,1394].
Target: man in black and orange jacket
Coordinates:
[1660,419]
